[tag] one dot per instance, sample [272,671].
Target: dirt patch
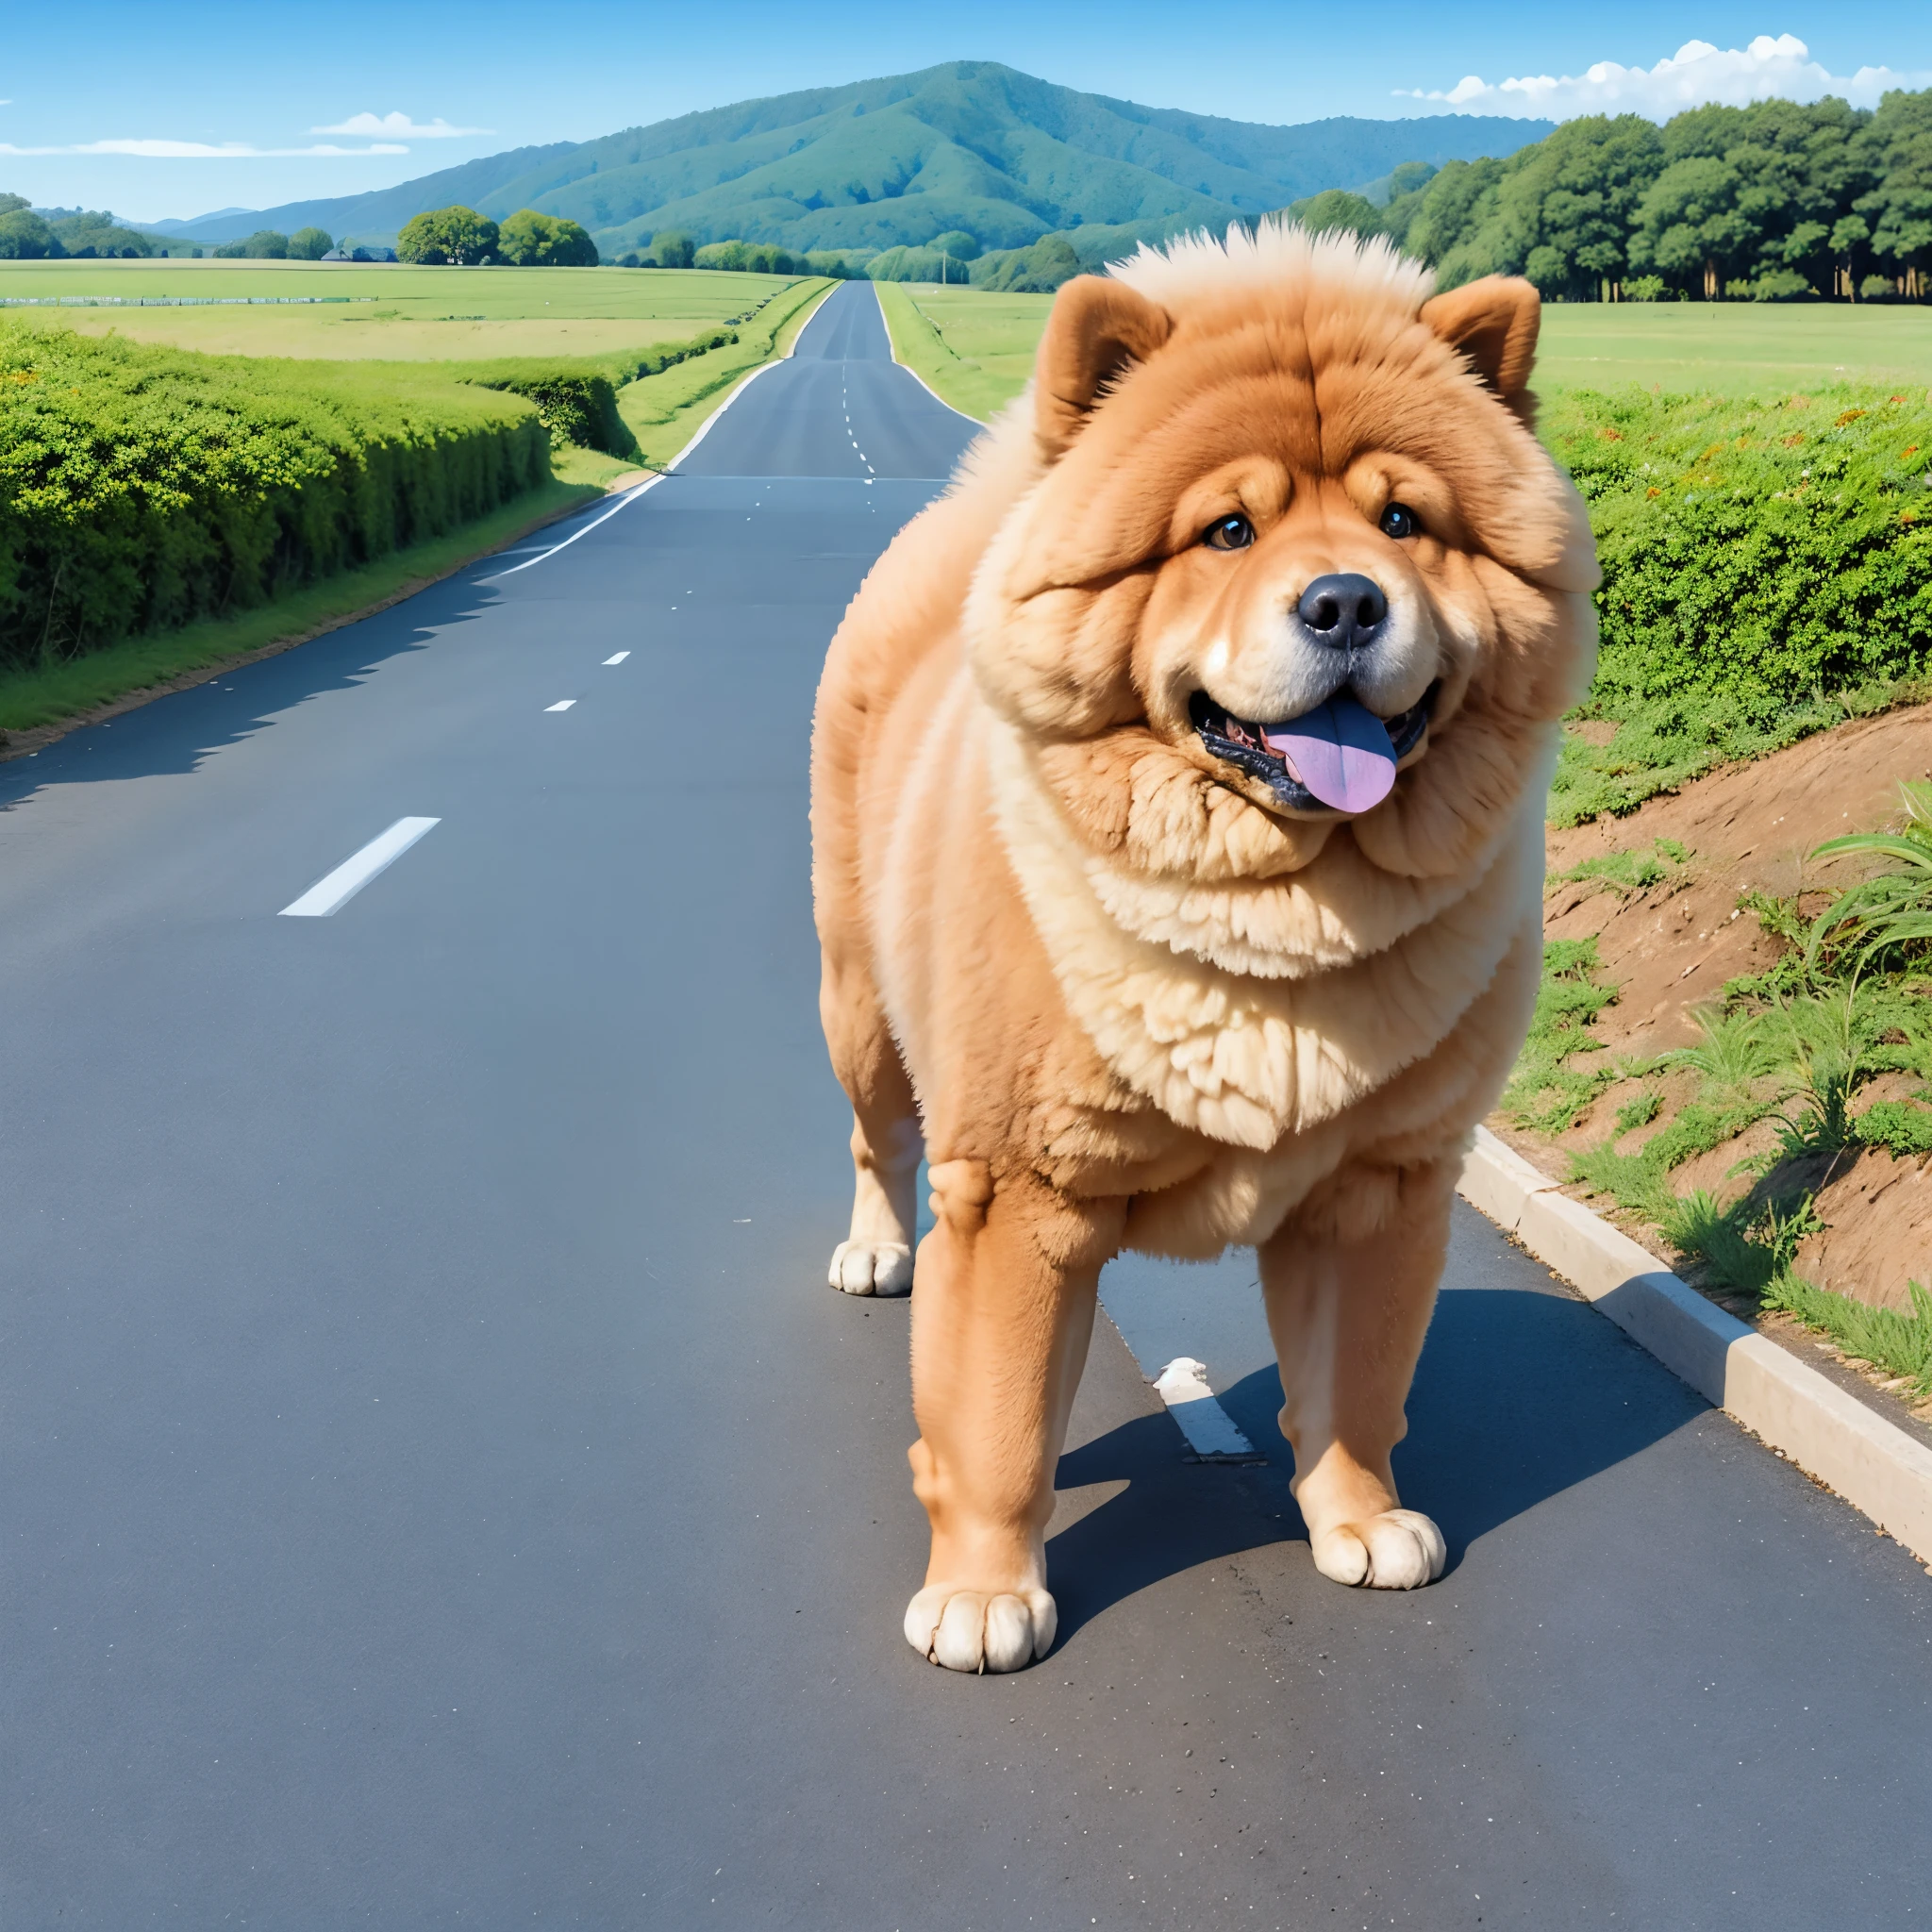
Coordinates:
[1878,1215]
[1748,827]
[1670,945]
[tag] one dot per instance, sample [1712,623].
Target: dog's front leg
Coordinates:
[1001,1320]
[1350,1283]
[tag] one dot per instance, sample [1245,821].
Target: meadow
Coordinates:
[977,349]
[162,510]
[345,311]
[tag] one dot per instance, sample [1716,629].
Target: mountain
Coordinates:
[374,216]
[876,164]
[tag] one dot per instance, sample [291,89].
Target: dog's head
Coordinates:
[1291,558]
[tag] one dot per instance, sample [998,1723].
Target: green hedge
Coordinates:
[142,487]
[576,405]
[1763,550]
[1767,571]
[576,396]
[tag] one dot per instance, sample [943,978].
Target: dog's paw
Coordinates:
[1400,1549]
[870,1268]
[974,1630]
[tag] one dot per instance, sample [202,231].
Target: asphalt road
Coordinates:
[437,1487]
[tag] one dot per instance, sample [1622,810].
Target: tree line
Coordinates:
[80,234]
[460,237]
[1780,201]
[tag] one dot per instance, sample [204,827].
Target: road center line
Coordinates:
[618,659]
[349,877]
[564,705]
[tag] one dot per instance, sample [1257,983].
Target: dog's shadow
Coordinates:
[1519,1396]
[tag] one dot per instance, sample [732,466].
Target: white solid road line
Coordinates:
[349,877]
[629,496]
[1210,1430]
[618,659]
[564,705]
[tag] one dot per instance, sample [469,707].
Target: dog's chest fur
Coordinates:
[1282,1028]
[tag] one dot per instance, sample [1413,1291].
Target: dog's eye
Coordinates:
[1231,533]
[1399,521]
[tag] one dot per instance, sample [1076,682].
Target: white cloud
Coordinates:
[1695,75]
[400,127]
[200,150]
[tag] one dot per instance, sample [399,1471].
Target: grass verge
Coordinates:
[64,694]
[664,411]
[1002,329]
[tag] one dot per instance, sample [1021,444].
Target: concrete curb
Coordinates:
[1873,1465]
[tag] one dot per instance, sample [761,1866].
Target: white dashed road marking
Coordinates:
[563,706]
[618,659]
[349,877]
[1210,1430]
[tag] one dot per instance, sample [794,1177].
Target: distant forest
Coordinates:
[1775,202]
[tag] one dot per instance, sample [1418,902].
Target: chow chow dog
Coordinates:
[1177,793]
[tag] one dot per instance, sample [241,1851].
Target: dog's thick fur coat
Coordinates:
[1117,990]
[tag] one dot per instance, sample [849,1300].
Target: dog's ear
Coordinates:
[1493,322]
[1097,328]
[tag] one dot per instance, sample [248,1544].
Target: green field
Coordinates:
[391,313]
[977,349]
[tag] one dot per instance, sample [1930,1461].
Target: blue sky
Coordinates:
[410,88]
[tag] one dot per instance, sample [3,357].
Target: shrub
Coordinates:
[748,257]
[673,248]
[1877,289]
[1755,551]
[1646,289]
[575,403]
[141,488]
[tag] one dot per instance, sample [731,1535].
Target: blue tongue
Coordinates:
[1341,751]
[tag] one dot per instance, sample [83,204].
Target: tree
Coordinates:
[1898,206]
[309,245]
[531,239]
[673,248]
[1337,209]
[8,203]
[24,237]
[456,234]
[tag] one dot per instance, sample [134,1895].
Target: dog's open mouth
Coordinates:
[1339,755]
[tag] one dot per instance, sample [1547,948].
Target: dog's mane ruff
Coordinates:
[1275,255]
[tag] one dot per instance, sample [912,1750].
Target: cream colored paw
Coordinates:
[972,1630]
[871,1267]
[1400,1549]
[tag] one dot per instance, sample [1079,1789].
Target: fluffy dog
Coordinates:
[1177,791]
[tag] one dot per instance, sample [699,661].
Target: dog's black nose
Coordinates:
[1342,608]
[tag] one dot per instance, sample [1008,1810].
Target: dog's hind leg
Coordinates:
[875,1258]
[1008,1282]
[1349,1283]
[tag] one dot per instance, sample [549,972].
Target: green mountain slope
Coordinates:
[968,145]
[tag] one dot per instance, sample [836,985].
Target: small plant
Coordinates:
[1546,1093]
[1641,1111]
[1900,1344]
[1780,917]
[1627,872]
[1901,1126]
[1894,909]
[1731,1059]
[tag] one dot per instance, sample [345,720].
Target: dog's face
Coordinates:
[1294,536]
